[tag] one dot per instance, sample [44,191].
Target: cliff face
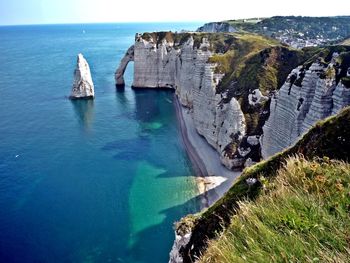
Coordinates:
[154,63]
[83,87]
[308,95]
[233,83]
[225,79]
[243,90]
[182,64]
[215,27]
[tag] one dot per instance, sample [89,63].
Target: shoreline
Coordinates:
[213,178]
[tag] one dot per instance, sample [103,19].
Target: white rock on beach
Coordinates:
[83,87]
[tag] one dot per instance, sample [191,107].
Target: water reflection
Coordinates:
[84,110]
[147,108]
[122,97]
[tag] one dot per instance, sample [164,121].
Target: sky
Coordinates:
[20,12]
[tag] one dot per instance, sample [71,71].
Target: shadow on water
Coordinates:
[129,149]
[84,110]
[120,95]
[153,113]
[148,103]
[147,242]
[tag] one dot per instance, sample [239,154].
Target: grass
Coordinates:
[330,137]
[301,216]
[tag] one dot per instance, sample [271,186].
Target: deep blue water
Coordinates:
[86,181]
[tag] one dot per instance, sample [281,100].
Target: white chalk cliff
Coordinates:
[296,108]
[119,74]
[181,62]
[215,27]
[83,87]
[185,67]
[181,240]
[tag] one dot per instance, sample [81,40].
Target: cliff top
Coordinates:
[220,42]
[329,138]
[300,216]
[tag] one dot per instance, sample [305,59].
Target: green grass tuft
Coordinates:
[301,216]
[330,138]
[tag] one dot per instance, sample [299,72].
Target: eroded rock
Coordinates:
[83,87]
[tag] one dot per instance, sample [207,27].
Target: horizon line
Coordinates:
[116,22]
[150,22]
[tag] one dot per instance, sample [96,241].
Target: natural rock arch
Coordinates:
[119,74]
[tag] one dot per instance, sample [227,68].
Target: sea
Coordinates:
[98,180]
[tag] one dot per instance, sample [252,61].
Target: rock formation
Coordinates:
[119,74]
[230,104]
[216,27]
[308,96]
[231,116]
[181,240]
[83,87]
[163,63]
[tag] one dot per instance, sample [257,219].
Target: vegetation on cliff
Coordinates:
[251,62]
[301,216]
[267,70]
[255,62]
[329,138]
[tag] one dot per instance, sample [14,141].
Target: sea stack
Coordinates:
[83,87]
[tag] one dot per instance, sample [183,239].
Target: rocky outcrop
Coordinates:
[83,87]
[216,27]
[309,95]
[119,74]
[180,242]
[162,62]
[220,123]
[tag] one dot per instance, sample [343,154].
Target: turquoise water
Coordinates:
[86,181]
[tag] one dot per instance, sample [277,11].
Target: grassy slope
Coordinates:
[301,216]
[330,137]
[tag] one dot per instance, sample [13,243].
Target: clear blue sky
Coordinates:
[80,11]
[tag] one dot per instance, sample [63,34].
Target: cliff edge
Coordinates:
[328,138]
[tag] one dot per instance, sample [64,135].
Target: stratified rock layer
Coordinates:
[83,87]
[165,64]
[297,107]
